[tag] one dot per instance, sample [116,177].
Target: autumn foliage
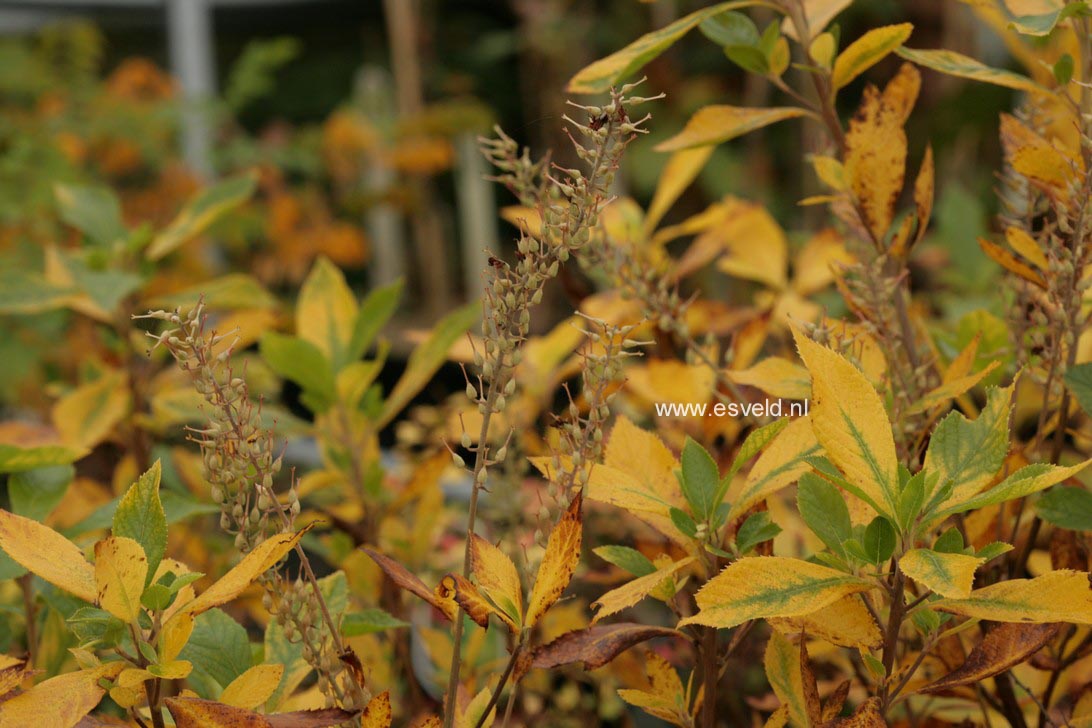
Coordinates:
[224,507]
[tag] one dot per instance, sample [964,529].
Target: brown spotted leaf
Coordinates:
[404,579]
[198,713]
[834,702]
[558,563]
[875,158]
[867,715]
[811,688]
[597,645]
[1003,647]
[378,712]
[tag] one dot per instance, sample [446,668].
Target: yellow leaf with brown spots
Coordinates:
[59,701]
[558,563]
[120,571]
[875,158]
[377,714]
[198,713]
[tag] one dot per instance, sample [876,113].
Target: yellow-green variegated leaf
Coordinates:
[717,124]
[606,72]
[850,422]
[780,464]
[782,663]
[957,64]
[634,591]
[950,575]
[758,587]
[326,311]
[206,207]
[1057,596]
[867,51]
[1025,481]
[970,452]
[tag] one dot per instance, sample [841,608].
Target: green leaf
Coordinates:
[94,211]
[880,540]
[91,624]
[369,621]
[683,522]
[140,516]
[609,71]
[108,287]
[219,650]
[626,558]
[427,358]
[1079,381]
[949,542]
[204,209]
[748,58]
[758,528]
[302,362]
[911,500]
[700,479]
[35,493]
[15,459]
[1067,507]
[1042,24]
[992,550]
[23,292]
[824,510]
[1063,69]
[156,597]
[177,508]
[374,313]
[730,28]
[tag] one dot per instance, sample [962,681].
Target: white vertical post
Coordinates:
[375,96]
[477,211]
[189,35]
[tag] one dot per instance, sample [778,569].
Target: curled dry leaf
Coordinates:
[597,645]
[402,577]
[472,601]
[1003,647]
[198,713]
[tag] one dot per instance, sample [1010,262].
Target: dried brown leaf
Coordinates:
[1003,647]
[404,579]
[597,645]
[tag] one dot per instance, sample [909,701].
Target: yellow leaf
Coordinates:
[326,311]
[867,51]
[950,575]
[782,664]
[744,239]
[1011,263]
[1057,596]
[253,687]
[776,377]
[59,702]
[957,64]
[1047,167]
[88,414]
[606,72]
[174,635]
[830,172]
[951,389]
[781,463]
[497,576]
[678,173]
[1026,246]
[558,562]
[875,159]
[924,187]
[257,562]
[770,586]
[822,49]
[632,592]
[816,265]
[850,422]
[455,587]
[469,718]
[378,712]
[666,698]
[716,124]
[120,571]
[847,623]
[46,553]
